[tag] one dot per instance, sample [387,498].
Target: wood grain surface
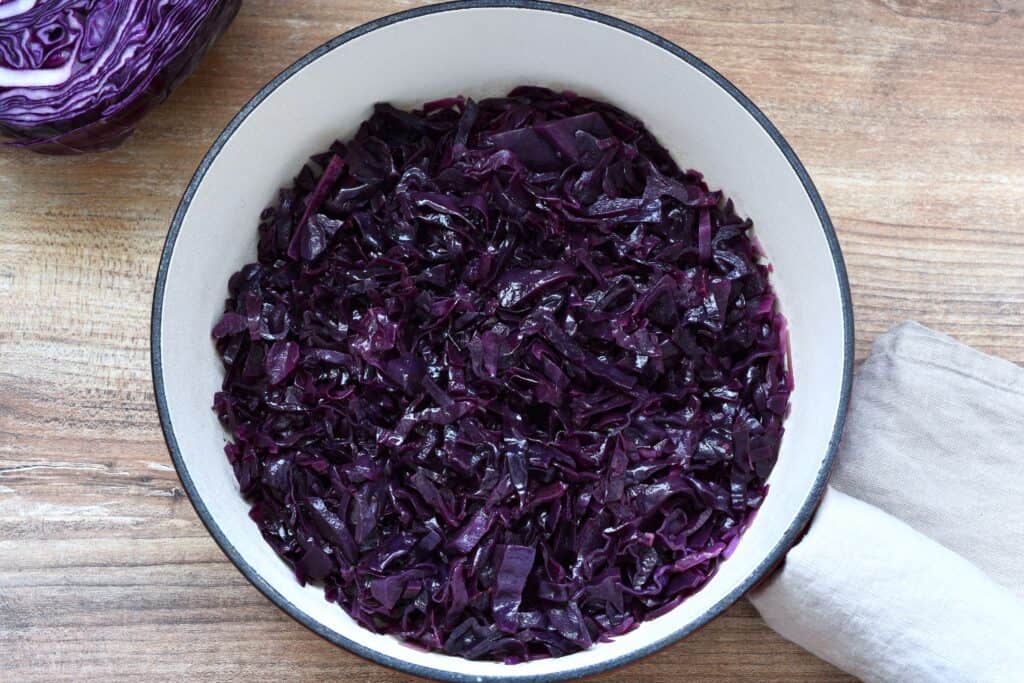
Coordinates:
[908,114]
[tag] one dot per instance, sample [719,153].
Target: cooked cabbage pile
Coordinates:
[504,379]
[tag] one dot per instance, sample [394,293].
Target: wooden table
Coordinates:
[908,115]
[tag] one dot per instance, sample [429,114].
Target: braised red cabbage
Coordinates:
[77,75]
[504,378]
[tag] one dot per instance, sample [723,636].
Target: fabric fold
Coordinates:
[912,567]
[878,599]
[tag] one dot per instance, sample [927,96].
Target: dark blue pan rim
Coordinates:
[773,558]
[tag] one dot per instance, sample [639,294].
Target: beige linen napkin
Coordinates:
[913,567]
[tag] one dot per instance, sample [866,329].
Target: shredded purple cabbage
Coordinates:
[504,379]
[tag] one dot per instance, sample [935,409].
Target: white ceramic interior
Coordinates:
[481,50]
